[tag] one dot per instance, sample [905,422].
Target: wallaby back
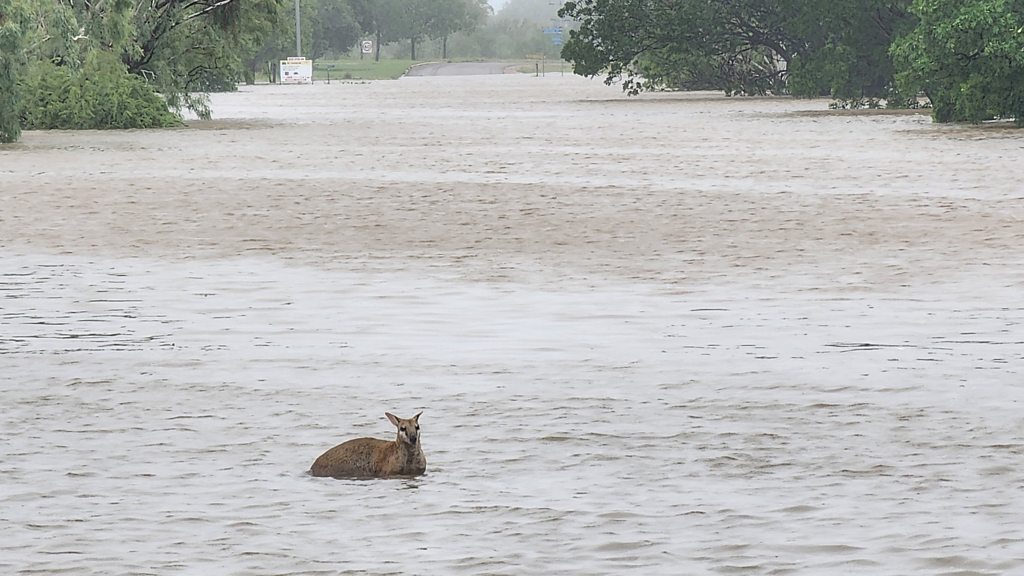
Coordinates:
[373,458]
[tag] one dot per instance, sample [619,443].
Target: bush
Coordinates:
[15,21]
[967,56]
[10,128]
[101,95]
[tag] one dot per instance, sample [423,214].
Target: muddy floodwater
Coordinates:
[673,334]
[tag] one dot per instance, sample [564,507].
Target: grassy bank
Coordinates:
[537,66]
[366,69]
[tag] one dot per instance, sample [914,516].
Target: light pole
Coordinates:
[298,31]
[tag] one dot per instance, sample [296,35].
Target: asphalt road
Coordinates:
[457,69]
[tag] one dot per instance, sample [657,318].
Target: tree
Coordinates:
[72,75]
[740,46]
[102,64]
[515,31]
[335,28]
[387,20]
[845,49]
[266,41]
[418,19]
[648,44]
[327,26]
[188,47]
[101,95]
[447,17]
[967,56]
[15,23]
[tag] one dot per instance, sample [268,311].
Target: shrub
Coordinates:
[100,95]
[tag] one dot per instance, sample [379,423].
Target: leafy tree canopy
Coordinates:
[99,96]
[15,25]
[968,57]
[114,56]
[741,46]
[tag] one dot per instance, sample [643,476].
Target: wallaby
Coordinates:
[373,458]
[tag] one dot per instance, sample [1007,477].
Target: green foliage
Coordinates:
[808,48]
[184,48]
[367,69]
[733,46]
[103,64]
[842,47]
[99,95]
[181,49]
[14,27]
[967,56]
[334,28]
[390,21]
[328,27]
[10,127]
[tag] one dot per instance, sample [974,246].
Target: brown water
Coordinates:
[678,334]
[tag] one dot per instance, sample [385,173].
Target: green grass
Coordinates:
[366,69]
[550,66]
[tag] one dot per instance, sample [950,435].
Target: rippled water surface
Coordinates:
[679,334]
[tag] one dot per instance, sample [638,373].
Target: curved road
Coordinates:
[457,69]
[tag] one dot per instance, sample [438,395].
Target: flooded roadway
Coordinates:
[678,334]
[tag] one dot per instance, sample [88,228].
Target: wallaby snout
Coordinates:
[373,458]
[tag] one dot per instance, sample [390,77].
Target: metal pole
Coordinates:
[298,31]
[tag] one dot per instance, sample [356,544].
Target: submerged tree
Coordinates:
[187,47]
[740,46]
[844,50]
[967,56]
[15,25]
[99,95]
[102,64]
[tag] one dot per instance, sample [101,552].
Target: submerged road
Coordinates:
[457,69]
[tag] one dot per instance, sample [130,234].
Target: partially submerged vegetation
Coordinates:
[137,63]
[965,56]
[99,96]
[367,69]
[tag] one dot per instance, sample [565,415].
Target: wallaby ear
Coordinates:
[393,418]
[417,417]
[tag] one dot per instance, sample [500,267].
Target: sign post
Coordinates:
[555,34]
[298,29]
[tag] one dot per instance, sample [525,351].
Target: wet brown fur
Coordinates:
[373,458]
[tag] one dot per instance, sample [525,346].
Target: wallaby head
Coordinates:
[408,428]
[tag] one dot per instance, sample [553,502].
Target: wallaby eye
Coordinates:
[402,429]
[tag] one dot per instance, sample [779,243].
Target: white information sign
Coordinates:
[296,70]
[366,46]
